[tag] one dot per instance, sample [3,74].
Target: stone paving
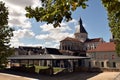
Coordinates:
[117,77]
[106,76]
[4,76]
[12,75]
[27,76]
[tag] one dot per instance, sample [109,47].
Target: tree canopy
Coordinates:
[54,11]
[5,34]
[113,10]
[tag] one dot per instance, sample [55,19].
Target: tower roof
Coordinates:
[80,28]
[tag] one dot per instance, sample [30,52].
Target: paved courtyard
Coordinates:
[12,75]
[4,76]
[106,76]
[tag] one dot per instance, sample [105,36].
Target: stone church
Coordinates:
[78,45]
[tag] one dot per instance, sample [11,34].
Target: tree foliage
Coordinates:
[54,11]
[112,7]
[5,34]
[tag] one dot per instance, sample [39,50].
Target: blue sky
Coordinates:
[28,32]
[95,19]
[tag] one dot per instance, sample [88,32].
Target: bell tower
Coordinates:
[80,33]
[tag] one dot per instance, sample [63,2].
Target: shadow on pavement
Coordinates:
[61,76]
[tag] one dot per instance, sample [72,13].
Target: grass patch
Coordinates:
[57,69]
[37,68]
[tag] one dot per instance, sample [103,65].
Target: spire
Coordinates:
[80,21]
[80,29]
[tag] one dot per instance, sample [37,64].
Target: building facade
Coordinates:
[104,56]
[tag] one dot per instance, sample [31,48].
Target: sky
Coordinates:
[28,32]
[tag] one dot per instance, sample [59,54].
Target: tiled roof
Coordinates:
[104,47]
[53,51]
[46,57]
[24,50]
[71,39]
[29,47]
[93,40]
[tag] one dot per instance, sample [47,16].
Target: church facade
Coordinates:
[80,43]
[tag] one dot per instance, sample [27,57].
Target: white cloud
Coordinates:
[17,19]
[23,23]
[33,45]
[20,34]
[75,22]
[23,33]
[24,3]
[56,34]
[15,42]
[17,12]
[50,27]
[52,44]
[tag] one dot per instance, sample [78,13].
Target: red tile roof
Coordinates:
[103,47]
[71,39]
[93,40]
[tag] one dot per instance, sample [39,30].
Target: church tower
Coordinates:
[80,33]
[112,38]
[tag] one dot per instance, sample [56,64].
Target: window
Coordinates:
[96,64]
[102,64]
[108,64]
[113,56]
[94,55]
[114,64]
[105,56]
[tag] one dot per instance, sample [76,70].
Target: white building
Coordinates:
[104,56]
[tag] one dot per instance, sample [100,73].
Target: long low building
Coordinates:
[51,56]
[45,57]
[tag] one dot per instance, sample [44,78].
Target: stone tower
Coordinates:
[80,33]
[112,38]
